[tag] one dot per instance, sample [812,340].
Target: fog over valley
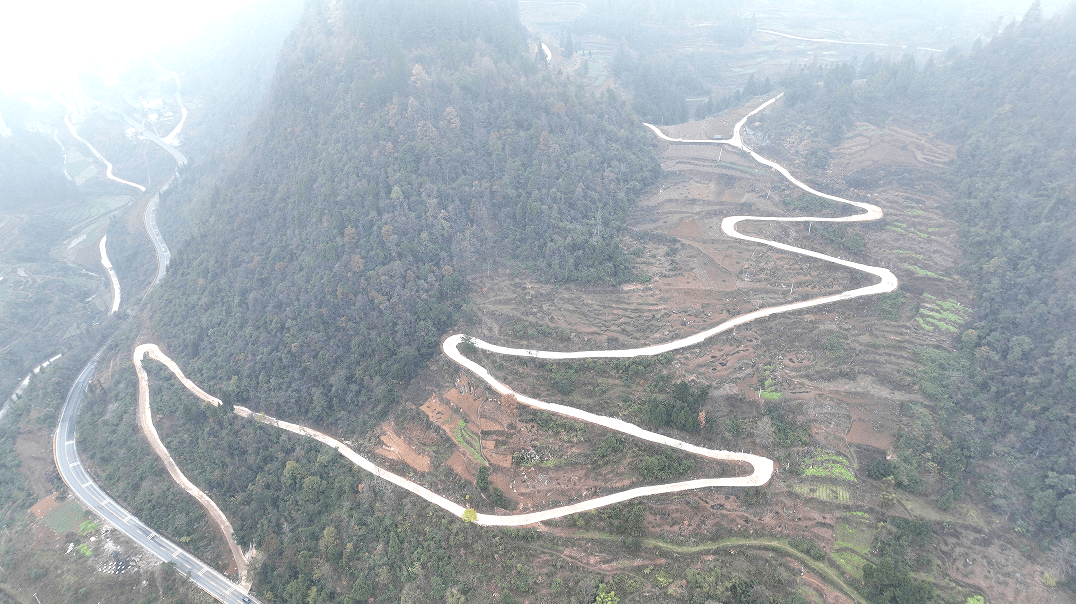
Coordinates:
[507,301]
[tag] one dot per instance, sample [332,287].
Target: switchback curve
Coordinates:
[763,468]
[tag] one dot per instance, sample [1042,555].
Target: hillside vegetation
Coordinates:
[1008,387]
[404,144]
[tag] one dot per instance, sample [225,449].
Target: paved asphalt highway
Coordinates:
[80,483]
[149,220]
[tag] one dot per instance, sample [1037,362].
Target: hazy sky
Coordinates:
[45,40]
[41,40]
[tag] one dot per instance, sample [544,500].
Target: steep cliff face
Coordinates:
[403,145]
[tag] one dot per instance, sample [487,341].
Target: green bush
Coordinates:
[807,547]
[665,466]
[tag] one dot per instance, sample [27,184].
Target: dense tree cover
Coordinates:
[16,493]
[889,581]
[661,84]
[663,466]
[1010,105]
[227,68]
[1018,207]
[111,444]
[681,409]
[333,258]
[1016,370]
[751,88]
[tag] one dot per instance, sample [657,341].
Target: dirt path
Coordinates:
[776,545]
[145,421]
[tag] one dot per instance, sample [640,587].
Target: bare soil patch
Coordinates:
[395,447]
[44,506]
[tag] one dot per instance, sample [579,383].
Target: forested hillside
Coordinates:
[1018,207]
[1009,389]
[404,145]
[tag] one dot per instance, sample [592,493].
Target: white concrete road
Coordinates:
[828,41]
[763,468]
[149,221]
[108,165]
[172,136]
[111,277]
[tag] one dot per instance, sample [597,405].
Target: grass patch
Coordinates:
[946,315]
[828,465]
[827,492]
[768,385]
[468,440]
[850,562]
[923,272]
[929,324]
[912,254]
[65,518]
[848,536]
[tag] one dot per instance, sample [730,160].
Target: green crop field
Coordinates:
[828,492]
[65,518]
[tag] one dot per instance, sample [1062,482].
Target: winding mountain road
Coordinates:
[218,585]
[145,421]
[82,486]
[172,136]
[149,221]
[108,165]
[762,468]
[65,452]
